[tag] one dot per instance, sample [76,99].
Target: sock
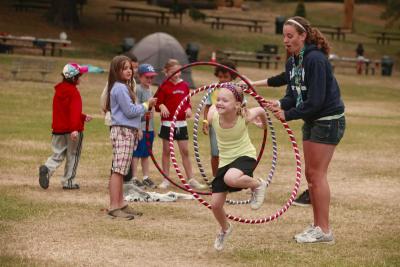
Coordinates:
[145,177]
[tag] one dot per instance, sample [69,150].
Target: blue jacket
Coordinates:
[123,111]
[319,89]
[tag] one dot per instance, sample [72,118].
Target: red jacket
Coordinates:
[171,95]
[67,109]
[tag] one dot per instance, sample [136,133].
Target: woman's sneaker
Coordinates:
[147,182]
[303,200]
[196,185]
[307,230]
[221,237]
[316,236]
[258,196]
[164,185]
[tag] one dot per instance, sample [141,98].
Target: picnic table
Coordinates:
[250,57]
[124,12]
[385,37]
[25,5]
[358,64]
[334,31]
[33,42]
[219,22]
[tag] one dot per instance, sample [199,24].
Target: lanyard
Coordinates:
[297,69]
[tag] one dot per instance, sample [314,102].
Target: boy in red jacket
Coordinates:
[68,125]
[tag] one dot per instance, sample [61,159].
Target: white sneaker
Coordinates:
[221,237]
[258,196]
[308,229]
[164,185]
[316,236]
[196,185]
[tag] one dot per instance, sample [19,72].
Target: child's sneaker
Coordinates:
[147,182]
[164,185]
[303,200]
[44,177]
[137,182]
[196,185]
[221,237]
[69,185]
[258,195]
[316,236]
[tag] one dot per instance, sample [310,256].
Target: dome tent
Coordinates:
[156,49]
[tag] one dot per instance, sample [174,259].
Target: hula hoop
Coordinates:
[261,101]
[210,89]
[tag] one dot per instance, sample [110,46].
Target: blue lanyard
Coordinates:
[297,69]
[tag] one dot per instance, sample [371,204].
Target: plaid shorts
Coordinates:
[124,141]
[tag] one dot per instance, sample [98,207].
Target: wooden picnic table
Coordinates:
[386,37]
[358,64]
[251,57]
[124,12]
[334,31]
[33,42]
[218,22]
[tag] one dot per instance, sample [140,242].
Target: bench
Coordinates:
[250,57]
[357,64]
[334,31]
[122,12]
[22,66]
[386,37]
[219,23]
[126,15]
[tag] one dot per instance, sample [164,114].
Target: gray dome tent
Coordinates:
[156,49]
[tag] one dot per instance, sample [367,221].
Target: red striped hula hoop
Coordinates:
[261,101]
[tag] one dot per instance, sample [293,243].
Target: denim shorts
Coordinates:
[324,131]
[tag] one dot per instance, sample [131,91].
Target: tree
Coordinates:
[348,14]
[392,12]
[64,13]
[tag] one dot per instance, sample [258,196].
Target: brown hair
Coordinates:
[230,64]
[116,67]
[314,36]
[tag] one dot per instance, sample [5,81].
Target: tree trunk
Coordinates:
[64,13]
[348,14]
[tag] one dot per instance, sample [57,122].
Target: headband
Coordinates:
[297,23]
[232,88]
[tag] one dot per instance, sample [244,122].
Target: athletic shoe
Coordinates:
[70,185]
[147,182]
[137,182]
[196,185]
[258,195]
[316,236]
[308,229]
[44,177]
[164,185]
[303,200]
[221,237]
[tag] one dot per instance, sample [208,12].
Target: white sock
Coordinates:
[145,177]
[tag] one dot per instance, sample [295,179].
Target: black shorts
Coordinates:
[180,133]
[324,131]
[245,164]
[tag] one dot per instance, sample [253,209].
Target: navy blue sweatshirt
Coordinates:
[319,88]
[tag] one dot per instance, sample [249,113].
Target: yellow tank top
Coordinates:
[233,142]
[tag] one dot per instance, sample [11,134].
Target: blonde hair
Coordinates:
[238,94]
[115,74]
[170,63]
[314,36]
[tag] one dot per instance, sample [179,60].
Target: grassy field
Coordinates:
[59,228]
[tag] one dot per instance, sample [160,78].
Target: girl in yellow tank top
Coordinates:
[237,154]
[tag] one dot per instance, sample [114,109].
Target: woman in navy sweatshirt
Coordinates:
[312,95]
